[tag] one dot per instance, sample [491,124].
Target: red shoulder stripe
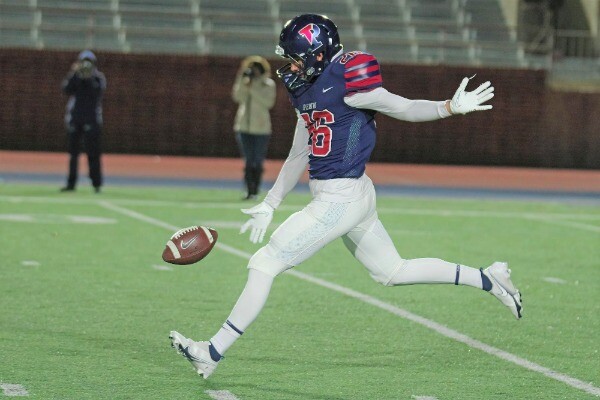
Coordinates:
[362,73]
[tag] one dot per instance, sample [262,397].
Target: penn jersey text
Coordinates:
[341,138]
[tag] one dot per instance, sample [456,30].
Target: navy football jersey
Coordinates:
[341,137]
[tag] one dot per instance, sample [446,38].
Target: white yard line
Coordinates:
[439,328]
[13,390]
[452,334]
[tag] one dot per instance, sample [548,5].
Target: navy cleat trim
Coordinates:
[485,281]
[214,354]
[517,305]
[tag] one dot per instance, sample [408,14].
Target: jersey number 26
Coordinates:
[320,133]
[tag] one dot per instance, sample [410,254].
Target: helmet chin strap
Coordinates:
[291,79]
[301,77]
[311,72]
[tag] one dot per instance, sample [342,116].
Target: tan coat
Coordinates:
[255,97]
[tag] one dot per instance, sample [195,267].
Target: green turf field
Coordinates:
[87,303]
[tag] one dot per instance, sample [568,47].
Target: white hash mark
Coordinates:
[555,280]
[30,263]
[221,394]
[162,267]
[13,390]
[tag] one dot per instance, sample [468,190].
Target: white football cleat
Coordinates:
[197,353]
[503,288]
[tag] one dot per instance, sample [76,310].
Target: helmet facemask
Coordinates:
[306,68]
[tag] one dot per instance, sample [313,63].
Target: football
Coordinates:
[189,245]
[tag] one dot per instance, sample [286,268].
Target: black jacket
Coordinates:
[85,101]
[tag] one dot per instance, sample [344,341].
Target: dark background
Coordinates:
[181,105]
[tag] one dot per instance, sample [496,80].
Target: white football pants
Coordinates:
[319,223]
[357,223]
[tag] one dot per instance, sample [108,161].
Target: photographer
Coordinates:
[254,92]
[85,86]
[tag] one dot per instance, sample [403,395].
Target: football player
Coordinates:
[336,95]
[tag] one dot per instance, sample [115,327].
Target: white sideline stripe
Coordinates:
[56,219]
[439,328]
[385,210]
[570,224]
[551,218]
[221,394]
[13,390]
[424,398]
[486,214]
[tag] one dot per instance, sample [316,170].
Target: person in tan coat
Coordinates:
[254,92]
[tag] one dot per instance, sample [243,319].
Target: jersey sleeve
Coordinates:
[293,167]
[361,73]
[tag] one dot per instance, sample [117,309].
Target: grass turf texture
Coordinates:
[92,320]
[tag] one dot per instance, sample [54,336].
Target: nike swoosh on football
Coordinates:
[185,245]
[327,90]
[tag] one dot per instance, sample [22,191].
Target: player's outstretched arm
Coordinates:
[398,107]
[464,102]
[404,109]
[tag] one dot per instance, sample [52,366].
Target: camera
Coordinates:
[86,68]
[249,72]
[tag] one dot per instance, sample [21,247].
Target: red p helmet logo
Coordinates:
[310,33]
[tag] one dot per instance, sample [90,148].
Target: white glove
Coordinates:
[262,214]
[466,102]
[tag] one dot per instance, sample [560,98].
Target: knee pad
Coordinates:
[383,280]
[386,280]
[265,260]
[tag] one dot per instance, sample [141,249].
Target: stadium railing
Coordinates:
[427,31]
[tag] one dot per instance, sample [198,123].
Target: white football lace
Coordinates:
[180,232]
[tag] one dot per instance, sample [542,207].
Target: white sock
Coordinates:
[434,270]
[245,311]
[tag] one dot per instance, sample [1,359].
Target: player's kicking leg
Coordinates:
[372,246]
[197,353]
[297,239]
[205,356]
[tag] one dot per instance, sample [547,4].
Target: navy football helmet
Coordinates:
[301,41]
